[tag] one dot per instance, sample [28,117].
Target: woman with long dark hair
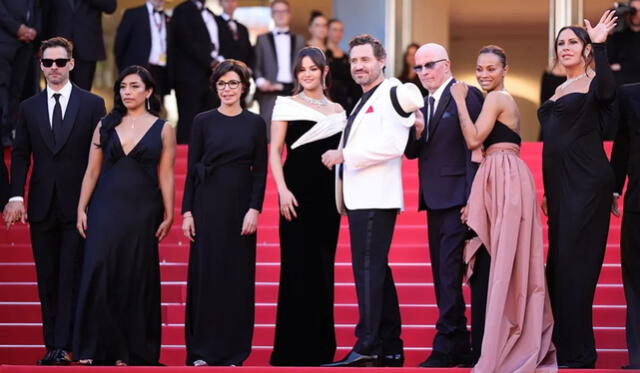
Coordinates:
[343,89]
[223,194]
[125,208]
[308,124]
[503,211]
[578,185]
[408,74]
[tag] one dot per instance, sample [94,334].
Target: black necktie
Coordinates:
[56,121]
[432,102]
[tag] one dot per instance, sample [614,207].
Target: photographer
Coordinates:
[624,45]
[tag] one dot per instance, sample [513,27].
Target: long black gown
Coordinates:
[343,89]
[118,314]
[227,170]
[305,333]
[578,183]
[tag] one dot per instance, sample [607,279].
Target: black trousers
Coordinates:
[15,64]
[446,240]
[161,76]
[83,73]
[57,252]
[379,327]
[479,286]
[192,98]
[630,260]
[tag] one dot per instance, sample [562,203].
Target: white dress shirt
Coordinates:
[438,94]
[65,93]
[157,22]
[283,54]
[230,21]
[212,28]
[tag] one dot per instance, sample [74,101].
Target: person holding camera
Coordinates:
[624,45]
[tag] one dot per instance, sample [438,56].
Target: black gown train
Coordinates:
[118,314]
[578,184]
[227,169]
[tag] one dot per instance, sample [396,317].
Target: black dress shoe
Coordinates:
[394,360]
[439,359]
[355,359]
[61,357]
[47,359]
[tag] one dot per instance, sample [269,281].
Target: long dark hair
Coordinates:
[319,59]
[583,35]
[404,74]
[114,118]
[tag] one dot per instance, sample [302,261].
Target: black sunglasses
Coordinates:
[428,65]
[60,62]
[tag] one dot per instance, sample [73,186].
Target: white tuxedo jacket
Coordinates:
[372,169]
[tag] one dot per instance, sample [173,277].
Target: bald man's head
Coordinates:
[433,66]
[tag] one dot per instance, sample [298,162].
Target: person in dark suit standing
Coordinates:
[80,21]
[141,39]
[235,36]
[625,160]
[275,53]
[20,24]
[194,49]
[446,174]
[55,128]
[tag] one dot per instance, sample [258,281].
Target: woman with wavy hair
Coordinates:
[125,208]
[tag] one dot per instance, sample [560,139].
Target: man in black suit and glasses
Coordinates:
[141,40]
[55,127]
[81,22]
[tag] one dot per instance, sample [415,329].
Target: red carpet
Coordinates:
[20,328]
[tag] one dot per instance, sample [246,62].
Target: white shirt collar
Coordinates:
[65,91]
[226,17]
[438,93]
[198,4]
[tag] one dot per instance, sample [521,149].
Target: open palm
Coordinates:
[598,34]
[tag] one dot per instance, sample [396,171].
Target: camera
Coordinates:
[623,10]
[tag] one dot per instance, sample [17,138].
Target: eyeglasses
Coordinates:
[428,65]
[233,84]
[60,62]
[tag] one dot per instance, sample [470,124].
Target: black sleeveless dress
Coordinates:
[118,314]
[305,333]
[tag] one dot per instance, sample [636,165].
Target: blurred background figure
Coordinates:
[80,21]
[194,49]
[141,39]
[20,26]
[407,74]
[342,89]
[235,36]
[275,51]
[623,46]
[318,30]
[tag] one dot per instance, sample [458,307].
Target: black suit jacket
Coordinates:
[14,13]
[239,48]
[625,157]
[81,23]
[190,46]
[133,37]
[60,167]
[444,161]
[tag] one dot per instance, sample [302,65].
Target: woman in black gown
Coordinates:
[578,183]
[223,194]
[342,89]
[128,188]
[308,124]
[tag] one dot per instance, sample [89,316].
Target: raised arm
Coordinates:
[606,84]
[476,132]
[165,178]
[89,181]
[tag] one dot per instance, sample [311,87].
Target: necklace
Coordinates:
[133,119]
[571,80]
[322,101]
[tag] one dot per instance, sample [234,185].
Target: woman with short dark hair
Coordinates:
[223,194]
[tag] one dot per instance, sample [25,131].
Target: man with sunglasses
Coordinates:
[446,173]
[55,127]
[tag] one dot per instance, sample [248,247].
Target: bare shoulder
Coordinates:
[337,108]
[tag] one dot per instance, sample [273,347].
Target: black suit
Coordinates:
[54,191]
[446,175]
[190,49]
[15,56]
[625,160]
[81,22]
[237,44]
[133,44]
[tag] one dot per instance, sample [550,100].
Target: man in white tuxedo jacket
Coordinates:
[369,190]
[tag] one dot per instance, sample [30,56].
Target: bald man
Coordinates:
[446,174]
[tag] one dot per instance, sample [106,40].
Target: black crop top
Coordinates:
[501,133]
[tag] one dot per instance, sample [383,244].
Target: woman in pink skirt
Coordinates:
[503,212]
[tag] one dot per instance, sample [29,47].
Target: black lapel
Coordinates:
[69,118]
[293,49]
[144,17]
[43,119]
[72,4]
[442,105]
[272,42]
